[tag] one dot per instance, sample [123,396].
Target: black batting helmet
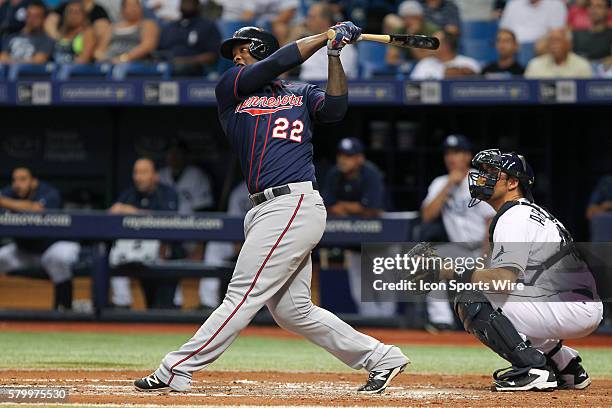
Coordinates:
[262,43]
[482,181]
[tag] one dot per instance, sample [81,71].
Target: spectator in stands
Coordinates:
[29,194]
[31,45]
[354,187]
[559,61]
[445,62]
[506,64]
[595,42]
[498,8]
[410,20]
[277,14]
[166,10]
[578,15]
[76,41]
[192,43]
[147,194]
[446,217]
[318,20]
[95,14]
[13,15]
[601,198]
[444,14]
[131,39]
[530,20]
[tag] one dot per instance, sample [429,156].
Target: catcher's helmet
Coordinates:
[482,180]
[262,43]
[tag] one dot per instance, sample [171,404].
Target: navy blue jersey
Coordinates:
[271,129]
[365,188]
[45,194]
[164,198]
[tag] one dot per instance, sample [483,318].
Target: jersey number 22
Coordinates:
[280,129]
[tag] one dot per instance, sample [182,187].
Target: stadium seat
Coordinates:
[371,58]
[2,72]
[31,71]
[481,50]
[160,70]
[526,53]
[479,30]
[83,71]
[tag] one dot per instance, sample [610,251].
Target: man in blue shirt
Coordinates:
[601,198]
[192,43]
[147,194]
[354,187]
[28,194]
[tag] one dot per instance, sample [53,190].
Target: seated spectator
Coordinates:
[31,45]
[530,20]
[578,15]
[443,13]
[275,13]
[601,198]
[595,43]
[410,21]
[95,14]
[445,62]
[191,43]
[506,64]
[147,194]
[354,187]
[29,194]
[165,10]
[559,61]
[77,40]
[13,15]
[131,39]
[318,20]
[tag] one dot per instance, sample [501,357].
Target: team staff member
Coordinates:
[147,194]
[354,187]
[29,194]
[269,122]
[533,247]
[447,217]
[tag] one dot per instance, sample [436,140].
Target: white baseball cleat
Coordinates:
[536,379]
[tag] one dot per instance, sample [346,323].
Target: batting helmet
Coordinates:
[262,43]
[483,180]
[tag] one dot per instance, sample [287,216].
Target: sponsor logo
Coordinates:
[264,105]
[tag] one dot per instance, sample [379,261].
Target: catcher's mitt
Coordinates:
[427,267]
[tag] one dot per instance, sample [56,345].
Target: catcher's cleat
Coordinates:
[378,380]
[574,376]
[535,379]
[151,383]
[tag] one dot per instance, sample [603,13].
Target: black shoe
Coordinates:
[150,383]
[574,376]
[528,379]
[378,380]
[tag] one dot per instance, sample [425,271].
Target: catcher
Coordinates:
[529,246]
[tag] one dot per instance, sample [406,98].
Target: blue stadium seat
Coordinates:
[526,53]
[160,70]
[371,58]
[479,30]
[31,71]
[481,50]
[2,72]
[83,71]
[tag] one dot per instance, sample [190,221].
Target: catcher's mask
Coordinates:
[488,166]
[262,44]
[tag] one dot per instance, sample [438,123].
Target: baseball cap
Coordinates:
[350,146]
[458,142]
[410,8]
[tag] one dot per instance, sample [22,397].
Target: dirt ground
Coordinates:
[288,389]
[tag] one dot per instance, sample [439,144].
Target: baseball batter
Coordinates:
[559,300]
[269,122]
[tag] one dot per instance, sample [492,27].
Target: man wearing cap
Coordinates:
[410,20]
[354,187]
[447,218]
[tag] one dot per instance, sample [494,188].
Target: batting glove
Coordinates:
[346,33]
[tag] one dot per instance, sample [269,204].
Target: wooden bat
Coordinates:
[399,40]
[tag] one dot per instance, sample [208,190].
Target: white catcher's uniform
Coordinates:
[523,238]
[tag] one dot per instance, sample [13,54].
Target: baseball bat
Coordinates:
[399,40]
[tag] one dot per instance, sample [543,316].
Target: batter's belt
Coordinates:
[273,192]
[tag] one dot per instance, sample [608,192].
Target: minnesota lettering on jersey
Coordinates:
[265,105]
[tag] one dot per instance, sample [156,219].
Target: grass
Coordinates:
[144,351]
